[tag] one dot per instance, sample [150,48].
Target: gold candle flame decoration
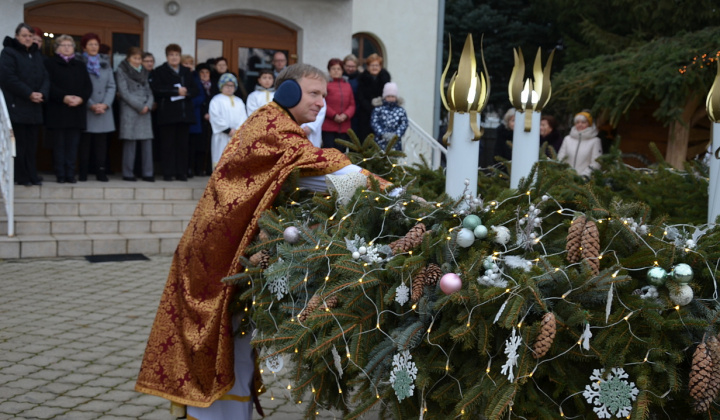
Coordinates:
[539,88]
[467,91]
[712,104]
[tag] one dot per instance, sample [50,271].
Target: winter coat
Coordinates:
[103,93]
[134,94]
[553,139]
[67,78]
[164,86]
[369,88]
[339,100]
[580,149]
[389,120]
[200,105]
[22,72]
[502,137]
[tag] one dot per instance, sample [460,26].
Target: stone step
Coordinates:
[91,225]
[39,246]
[112,191]
[86,207]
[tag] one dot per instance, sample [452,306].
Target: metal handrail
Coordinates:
[417,143]
[7,165]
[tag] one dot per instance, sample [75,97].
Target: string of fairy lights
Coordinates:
[548,207]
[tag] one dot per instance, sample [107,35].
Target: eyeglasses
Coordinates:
[67,45]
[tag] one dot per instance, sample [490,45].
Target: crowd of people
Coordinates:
[173,120]
[580,148]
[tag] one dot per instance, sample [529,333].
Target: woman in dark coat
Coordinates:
[174,87]
[370,86]
[66,117]
[549,133]
[26,86]
[100,119]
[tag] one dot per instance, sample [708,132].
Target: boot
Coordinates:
[100,175]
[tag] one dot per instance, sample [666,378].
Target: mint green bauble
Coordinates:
[488,263]
[682,273]
[657,276]
[471,222]
[481,232]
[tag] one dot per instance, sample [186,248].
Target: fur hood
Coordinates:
[379,101]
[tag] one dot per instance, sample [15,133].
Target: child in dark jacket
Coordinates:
[389,119]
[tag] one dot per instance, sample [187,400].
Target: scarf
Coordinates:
[67,58]
[93,63]
[232,102]
[140,76]
[206,85]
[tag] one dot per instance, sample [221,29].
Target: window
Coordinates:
[364,44]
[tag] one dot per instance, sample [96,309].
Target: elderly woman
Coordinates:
[370,86]
[582,146]
[549,133]
[26,86]
[100,119]
[136,101]
[66,118]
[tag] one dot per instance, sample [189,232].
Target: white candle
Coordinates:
[526,147]
[713,194]
[462,158]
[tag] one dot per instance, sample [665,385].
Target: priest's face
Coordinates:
[313,92]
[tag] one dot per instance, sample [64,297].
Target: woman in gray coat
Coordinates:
[100,120]
[136,101]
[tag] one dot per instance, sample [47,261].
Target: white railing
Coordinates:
[416,143]
[7,165]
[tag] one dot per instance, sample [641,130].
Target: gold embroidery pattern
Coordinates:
[189,355]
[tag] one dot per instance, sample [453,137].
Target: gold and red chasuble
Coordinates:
[189,355]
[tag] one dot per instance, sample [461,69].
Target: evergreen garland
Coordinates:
[343,353]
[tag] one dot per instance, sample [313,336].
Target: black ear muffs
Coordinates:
[288,94]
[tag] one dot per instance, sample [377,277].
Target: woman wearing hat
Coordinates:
[582,146]
[227,113]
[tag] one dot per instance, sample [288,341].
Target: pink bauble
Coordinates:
[450,283]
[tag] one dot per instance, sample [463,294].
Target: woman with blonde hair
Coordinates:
[582,146]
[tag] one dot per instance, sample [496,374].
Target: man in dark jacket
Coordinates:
[26,86]
[174,87]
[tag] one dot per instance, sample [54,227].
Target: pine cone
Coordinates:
[413,238]
[590,245]
[418,285]
[264,236]
[574,238]
[433,273]
[713,345]
[260,259]
[700,378]
[546,336]
[331,302]
[311,306]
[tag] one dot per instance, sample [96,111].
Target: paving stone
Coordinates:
[35,397]
[14,407]
[65,401]
[127,209]
[88,193]
[77,378]
[119,193]
[21,369]
[43,412]
[27,383]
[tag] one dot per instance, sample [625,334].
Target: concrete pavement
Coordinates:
[72,335]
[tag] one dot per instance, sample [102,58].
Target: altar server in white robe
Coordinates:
[227,113]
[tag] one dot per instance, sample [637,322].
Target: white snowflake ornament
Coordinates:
[279,286]
[612,396]
[337,360]
[511,346]
[402,294]
[275,363]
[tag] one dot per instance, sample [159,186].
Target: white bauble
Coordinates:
[465,238]
[356,255]
[682,295]
[502,234]
[291,235]
[362,250]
